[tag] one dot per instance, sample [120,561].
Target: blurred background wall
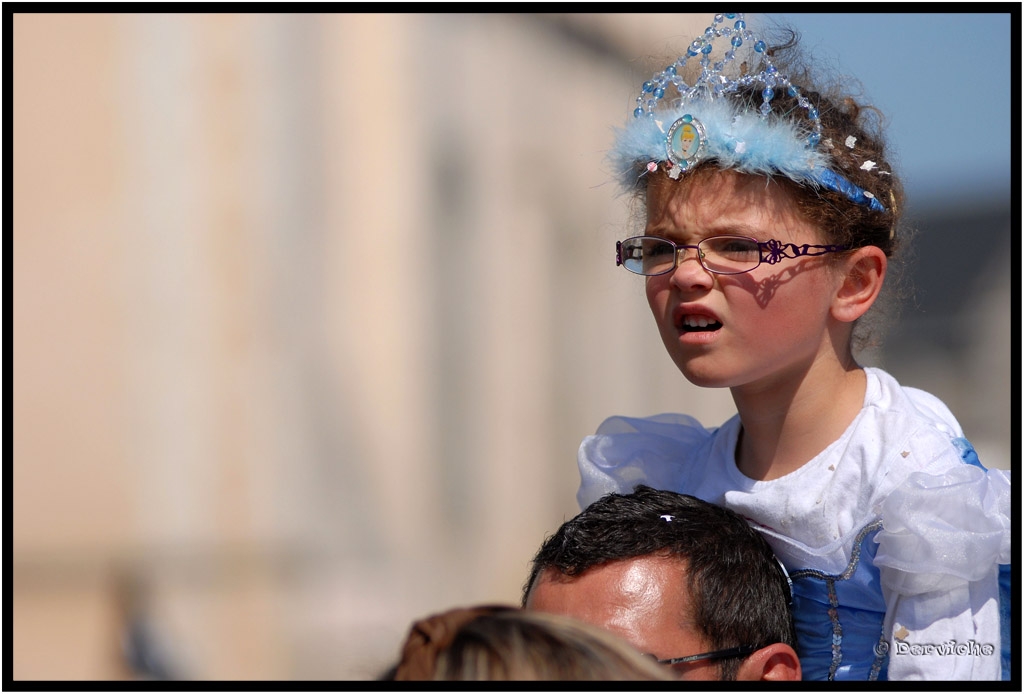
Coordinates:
[310,314]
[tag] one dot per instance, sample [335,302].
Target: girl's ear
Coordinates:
[863,273]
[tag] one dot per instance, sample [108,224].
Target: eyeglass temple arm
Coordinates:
[713,655]
[774,251]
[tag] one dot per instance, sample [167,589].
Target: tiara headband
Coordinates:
[705,123]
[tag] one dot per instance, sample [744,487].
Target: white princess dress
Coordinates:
[896,539]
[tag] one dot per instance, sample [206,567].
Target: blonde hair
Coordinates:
[507,643]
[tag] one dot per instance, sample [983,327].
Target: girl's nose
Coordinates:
[689,272]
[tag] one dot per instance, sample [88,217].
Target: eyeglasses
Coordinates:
[713,655]
[721,255]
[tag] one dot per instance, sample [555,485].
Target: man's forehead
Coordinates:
[645,600]
[634,583]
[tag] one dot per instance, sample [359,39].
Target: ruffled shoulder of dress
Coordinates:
[890,395]
[940,530]
[627,451]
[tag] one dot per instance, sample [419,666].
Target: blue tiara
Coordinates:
[708,120]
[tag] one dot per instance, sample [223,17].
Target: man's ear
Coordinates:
[863,274]
[777,662]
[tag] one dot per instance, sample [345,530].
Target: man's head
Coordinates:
[677,577]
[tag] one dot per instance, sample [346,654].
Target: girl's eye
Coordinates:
[734,246]
[737,245]
[658,249]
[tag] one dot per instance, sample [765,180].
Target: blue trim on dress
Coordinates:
[839,617]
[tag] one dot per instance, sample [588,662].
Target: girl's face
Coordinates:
[751,329]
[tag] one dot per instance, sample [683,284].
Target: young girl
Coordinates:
[771,214]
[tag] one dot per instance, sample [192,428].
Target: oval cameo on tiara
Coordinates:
[686,140]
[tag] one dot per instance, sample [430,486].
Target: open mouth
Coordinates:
[696,324]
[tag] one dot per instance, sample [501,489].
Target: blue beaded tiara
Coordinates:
[710,119]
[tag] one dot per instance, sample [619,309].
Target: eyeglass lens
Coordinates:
[728,255]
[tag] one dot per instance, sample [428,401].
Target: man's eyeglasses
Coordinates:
[713,655]
[721,255]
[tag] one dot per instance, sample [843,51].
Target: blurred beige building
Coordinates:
[310,314]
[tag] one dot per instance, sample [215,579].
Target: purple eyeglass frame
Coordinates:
[772,251]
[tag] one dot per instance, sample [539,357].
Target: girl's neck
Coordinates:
[788,423]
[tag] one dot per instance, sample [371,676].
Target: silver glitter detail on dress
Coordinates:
[833,614]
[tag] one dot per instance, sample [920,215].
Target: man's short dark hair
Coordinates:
[739,593]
